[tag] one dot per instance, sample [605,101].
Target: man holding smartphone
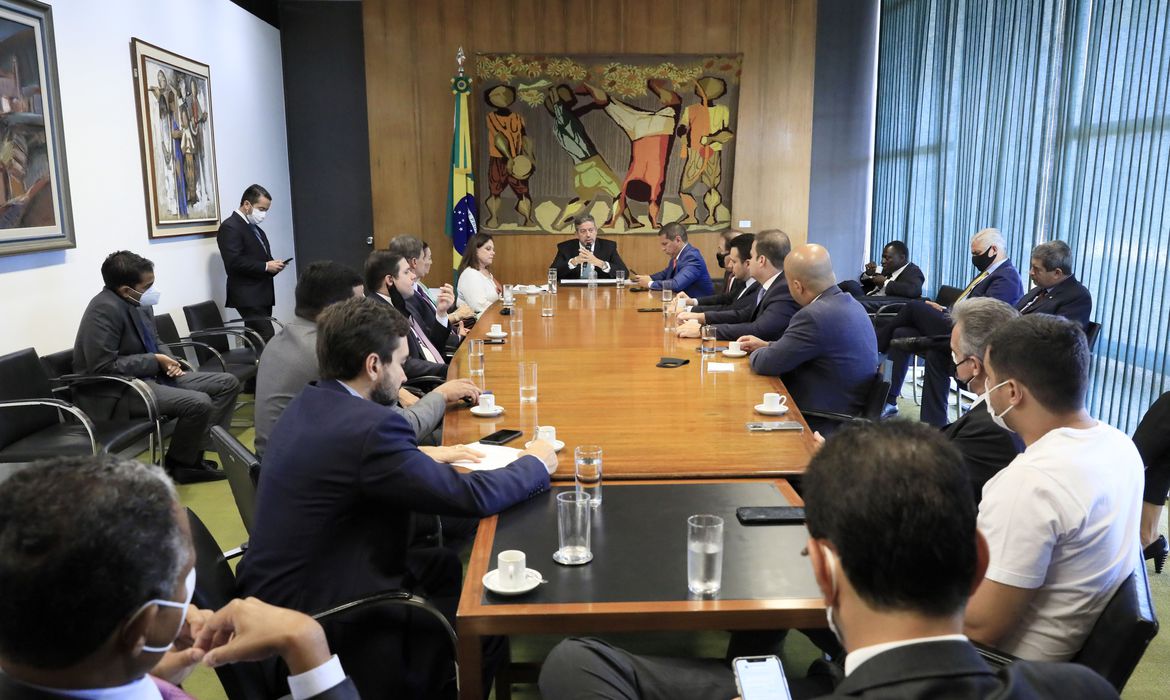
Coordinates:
[893,596]
[248,260]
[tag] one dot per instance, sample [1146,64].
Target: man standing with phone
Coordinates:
[248,260]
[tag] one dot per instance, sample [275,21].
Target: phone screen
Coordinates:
[500,437]
[761,678]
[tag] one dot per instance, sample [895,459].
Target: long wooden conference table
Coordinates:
[675,443]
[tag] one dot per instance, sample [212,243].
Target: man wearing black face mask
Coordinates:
[117,336]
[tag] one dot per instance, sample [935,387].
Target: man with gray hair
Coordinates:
[1057,290]
[986,447]
[587,256]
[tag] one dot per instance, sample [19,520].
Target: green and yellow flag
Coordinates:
[461,208]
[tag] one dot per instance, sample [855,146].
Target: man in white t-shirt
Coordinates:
[1061,521]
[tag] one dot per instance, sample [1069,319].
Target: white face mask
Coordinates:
[997,418]
[172,604]
[257,216]
[148,298]
[831,560]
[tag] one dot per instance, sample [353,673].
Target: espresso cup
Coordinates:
[772,401]
[497,328]
[512,569]
[546,432]
[733,346]
[487,401]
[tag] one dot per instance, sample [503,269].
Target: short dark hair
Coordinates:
[379,264]
[674,230]
[774,245]
[743,244]
[124,268]
[348,331]
[474,243]
[906,536]
[583,219]
[408,247]
[1054,255]
[254,194]
[899,248]
[84,543]
[323,283]
[1048,354]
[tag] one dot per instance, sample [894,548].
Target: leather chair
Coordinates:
[168,334]
[243,472]
[215,586]
[34,428]
[875,401]
[1092,331]
[205,322]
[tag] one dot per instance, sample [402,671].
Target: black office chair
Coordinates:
[947,295]
[34,425]
[1118,639]
[207,325]
[871,411]
[215,586]
[1092,331]
[243,472]
[419,386]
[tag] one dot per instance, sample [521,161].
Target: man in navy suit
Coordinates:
[741,292]
[390,281]
[997,279]
[1057,290]
[773,306]
[687,269]
[247,258]
[587,256]
[827,358]
[341,479]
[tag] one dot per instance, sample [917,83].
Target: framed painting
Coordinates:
[175,128]
[35,213]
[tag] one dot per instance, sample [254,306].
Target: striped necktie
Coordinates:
[428,347]
[971,286]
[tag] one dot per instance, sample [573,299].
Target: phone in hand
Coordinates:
[286,261]
[500,437]
[760,678]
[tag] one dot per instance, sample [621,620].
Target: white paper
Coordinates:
[720,367]
[495,457]
[529,288]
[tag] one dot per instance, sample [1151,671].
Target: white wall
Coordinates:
[42,295]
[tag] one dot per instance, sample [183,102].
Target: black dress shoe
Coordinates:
[1157,550]
[202,471]
[922,344]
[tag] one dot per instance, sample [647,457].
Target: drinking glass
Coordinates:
[475,357]
[509,295]
[708,335]
[587,472]
[669,316]
[552,280]
[667,289]
[516,326]
[704,554]
[527,382]
[574,517]
[620,276]
[548,304]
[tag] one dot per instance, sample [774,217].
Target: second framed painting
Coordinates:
[175,127]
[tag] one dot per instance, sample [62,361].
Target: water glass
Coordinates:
[707,333]
[516,326]
[667,289]
[587,472]
[574,517]
[704,554]
[475,357]
[548,304]
[669,316]
[509,295]
[552,280]
[620,276]
[527,382]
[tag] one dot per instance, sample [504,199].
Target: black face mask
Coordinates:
[982,261]
[721,258]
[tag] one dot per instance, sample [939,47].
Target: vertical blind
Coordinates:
[1048,120]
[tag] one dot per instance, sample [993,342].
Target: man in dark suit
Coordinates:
[248,260]
[827,357]
[997,279]
[117,336]
[687,270]
[740,293]
[772,306]
[899,277]
[342,477]
[387,275]
[587,256]
[1057,290]
[123,628]
[986,447]
[449,325]
[893,596]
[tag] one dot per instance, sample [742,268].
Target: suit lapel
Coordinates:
[947,659]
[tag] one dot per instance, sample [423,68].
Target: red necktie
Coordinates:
[169,690]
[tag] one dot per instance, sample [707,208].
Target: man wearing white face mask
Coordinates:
[117,335]
[248,260]
[1061,520]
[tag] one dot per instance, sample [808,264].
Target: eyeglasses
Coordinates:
[957,362]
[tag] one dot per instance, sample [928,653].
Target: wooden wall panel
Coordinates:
[410,57]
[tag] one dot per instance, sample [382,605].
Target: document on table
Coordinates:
[495,457]
[720,366]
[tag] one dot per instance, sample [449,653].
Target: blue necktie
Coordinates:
[256,231]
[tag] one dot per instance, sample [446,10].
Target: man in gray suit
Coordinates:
[117,335]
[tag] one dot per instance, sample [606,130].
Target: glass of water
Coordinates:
[574,519]
[509,295]
[527,382]
[667,289]
[475,357]
[587,472]
[620,276]
[669,316]
[708,335]
[704,554]
[552,280]
[548,304]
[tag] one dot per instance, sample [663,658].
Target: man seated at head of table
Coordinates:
[1057,290]
[740,292]
[893,596]
[1061,521]
[587,256]
[341,481]
[772,305]
[446,323]
[827,358]
[389,281]
[898,277]
[687,269]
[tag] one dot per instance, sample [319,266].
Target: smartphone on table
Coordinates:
[760,678]
[500,437]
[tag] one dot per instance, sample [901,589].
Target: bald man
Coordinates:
[828,357]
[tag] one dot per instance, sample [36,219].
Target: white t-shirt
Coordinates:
[1063,518]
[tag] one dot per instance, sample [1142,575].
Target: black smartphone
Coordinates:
[287,261]
[650,311]
[770,515]
[760,678]
[493,341]
[672,362]
[500,437]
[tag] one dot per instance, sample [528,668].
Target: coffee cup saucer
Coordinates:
[532,579]
[761,408]
[486,412]
[558,445]
[735,353]
[496,336]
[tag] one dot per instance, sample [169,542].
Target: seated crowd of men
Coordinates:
[1038,503]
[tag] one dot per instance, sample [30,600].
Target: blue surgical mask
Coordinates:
[190,582]
[997,418]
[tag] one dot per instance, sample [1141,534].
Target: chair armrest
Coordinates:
[197,345]
[241,333]
[60,406]
[257,318]
[140,387]
[831,415]
[394,597]
[994,657]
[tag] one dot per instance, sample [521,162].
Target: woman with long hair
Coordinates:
[478,288]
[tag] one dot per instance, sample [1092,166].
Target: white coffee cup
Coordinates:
[497,328]
[487,401]
[512,569]
[546,432]
[772,401]
[733,346]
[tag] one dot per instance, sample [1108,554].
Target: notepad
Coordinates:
[495,457]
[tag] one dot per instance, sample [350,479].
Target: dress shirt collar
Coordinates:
[386,298]
[141,689]
[242,216]
[894,275]
[349,388]
[859,656]
[768,284]
[995,266]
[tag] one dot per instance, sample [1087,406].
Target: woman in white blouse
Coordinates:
[477,287]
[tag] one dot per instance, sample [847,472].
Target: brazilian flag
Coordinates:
[461,209]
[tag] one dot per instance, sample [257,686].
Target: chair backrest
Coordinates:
[23,376]
[168,332]
[875,400]
[947,295]
[1122,632]
[1092,330]
[239,463]
[59,363]
[206,315]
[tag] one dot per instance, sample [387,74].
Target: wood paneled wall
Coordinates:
[410,56]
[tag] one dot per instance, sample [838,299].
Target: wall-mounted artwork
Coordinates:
[178,142]
[35,212]
[637,141]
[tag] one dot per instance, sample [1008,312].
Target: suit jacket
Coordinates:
[767,321]
[13,690]
[909,283]
[341,478]
[424,312]
[954,670]
[1003,284]
[245,258]
[689,274]
[1069,299]
[827,358]
[732,298]
[603,248]
[416,365]
[985,446]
